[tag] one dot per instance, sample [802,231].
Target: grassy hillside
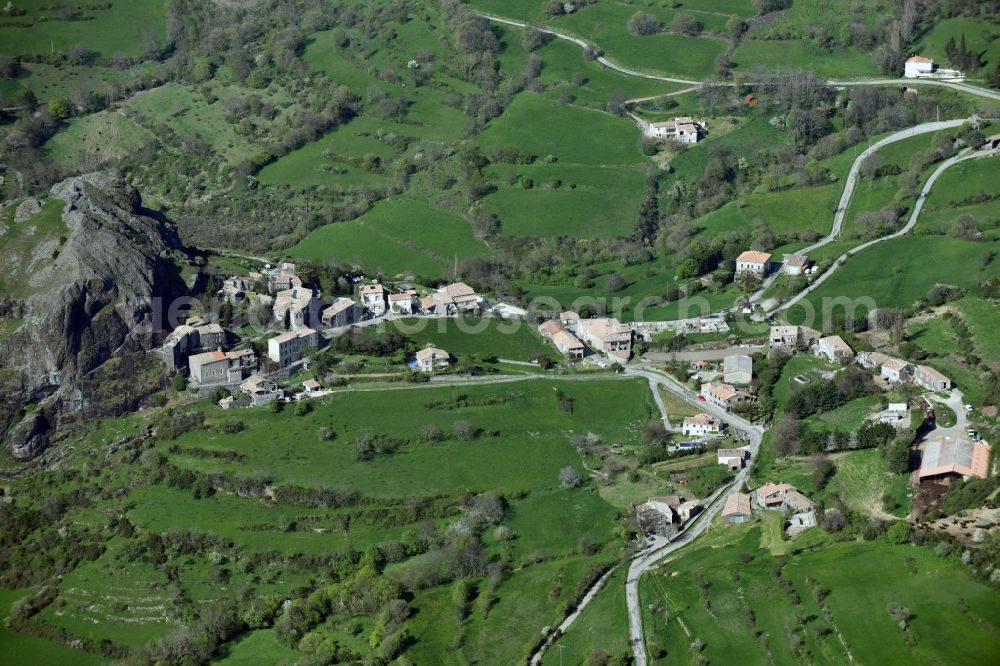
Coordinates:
[896,273]
[106,30]
[518,341]
[861,581]
[399,235]
[576,188]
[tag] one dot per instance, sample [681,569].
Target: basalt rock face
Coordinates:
[115,270]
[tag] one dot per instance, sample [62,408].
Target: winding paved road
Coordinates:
[962,87]
[647,559]
[851,184]
[961,157]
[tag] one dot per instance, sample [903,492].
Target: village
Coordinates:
[302,323]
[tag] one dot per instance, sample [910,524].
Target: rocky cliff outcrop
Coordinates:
[96,294]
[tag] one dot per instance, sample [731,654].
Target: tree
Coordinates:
[465,430]
[569,477]
[179,383]
[647,220]
[616,103]
[870,167]
[888,60]
[735,26]
[768,6]
[786,436]
[994,79]
[203,69]
[614,283]
[59,107]
[534,38]
[642,23]
[907,20]
[685,24]
[554,7]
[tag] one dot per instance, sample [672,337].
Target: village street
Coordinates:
[645,560]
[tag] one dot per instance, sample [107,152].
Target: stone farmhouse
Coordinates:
[431,358]
[660,512]
[754,262]
[282,278]
[296,306]
[930,379]
[737,369]
[834,349]
[701,425]
[403,303]
[260,390]
[567,343]
[895,370]
[724,395]
[790,337]
[782,496]
[219,367]
[731,458]
[685,130]
[290,347]
[342,312]
[189,338]
[607,336]
[736,510]
[795,264]
[457,298]
[235,288]
[373,299]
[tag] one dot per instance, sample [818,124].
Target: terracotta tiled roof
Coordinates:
[754,257]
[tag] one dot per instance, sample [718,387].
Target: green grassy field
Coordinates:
[325,163]
[962,181]
[813,206]
[102,136]
[644,282]
[980,36]
[528,451]
[563,65]
[601,627]
[534,124]
[983,319]
[502,637]
[514,340]
[848,417]
[862,482]
[589,202]
[185,111]
[107,599]
[397,236]
[599,184]
[863,580]
[753,135]
[896,273]
[255,648]
[787,54]
[605,24]
[106,31]
[30,651]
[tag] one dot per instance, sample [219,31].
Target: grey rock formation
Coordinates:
[98,297]
[27,209]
